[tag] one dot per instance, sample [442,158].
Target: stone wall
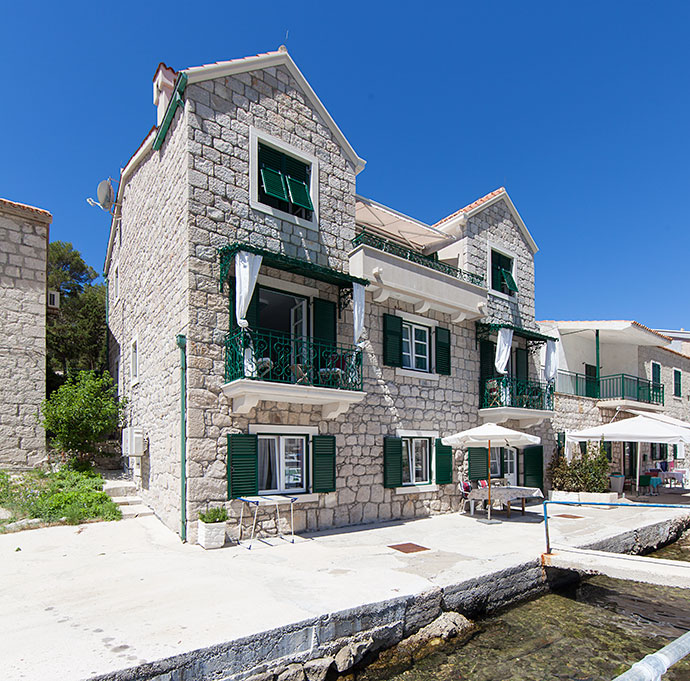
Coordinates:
[23,267]
[150,251]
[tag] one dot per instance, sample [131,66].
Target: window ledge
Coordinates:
[503,296]
[282,215]
[300,496]
[411,373]
[416,489]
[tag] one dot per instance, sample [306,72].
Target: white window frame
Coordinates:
[134,366]
[431,324]
[493,246]
[256,136]
[431,486]
[673,387]
[411,343]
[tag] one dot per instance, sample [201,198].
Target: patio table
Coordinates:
[655,482]
[677,475]
[505,495]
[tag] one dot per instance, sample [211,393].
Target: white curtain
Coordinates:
[246,272]
[505,340]
[551,361]
[358,309]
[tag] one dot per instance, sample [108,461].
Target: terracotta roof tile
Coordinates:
[6,203]
[473,205]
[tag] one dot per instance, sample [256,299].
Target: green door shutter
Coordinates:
[323,463]
[534,466]
[442,351]
[324,321]
[243,466]
[502,461]
[252,310]
[521,364]
[392,340]
[444,463]
[392,462]
[479,463]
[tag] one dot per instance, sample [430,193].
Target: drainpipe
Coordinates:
[182,344]
[598,374]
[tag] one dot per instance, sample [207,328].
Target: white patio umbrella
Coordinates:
[637,429]
[484,435]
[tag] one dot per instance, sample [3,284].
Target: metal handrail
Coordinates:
[508,391]
[613,386]
[387,246]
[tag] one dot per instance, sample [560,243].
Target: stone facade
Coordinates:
[194,196]
[23,271]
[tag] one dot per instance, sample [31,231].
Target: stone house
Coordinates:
[23,302]
[274,332]
[614,369]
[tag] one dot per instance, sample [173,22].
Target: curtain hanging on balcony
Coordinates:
[246,272]
[505,340]
[358,309]
[551,361]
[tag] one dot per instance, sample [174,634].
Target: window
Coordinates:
[656,373]
[284,182]
[134,362]
[502,278]
[415,461]
[281,463]
[676,383]
[496,462]
[415,347]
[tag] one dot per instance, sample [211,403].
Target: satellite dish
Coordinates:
[105,195]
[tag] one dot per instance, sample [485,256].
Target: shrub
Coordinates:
[214,515]
[586,472]
[81,413]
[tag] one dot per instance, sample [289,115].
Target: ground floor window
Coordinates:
[282,463]
[416,468]
[495,460]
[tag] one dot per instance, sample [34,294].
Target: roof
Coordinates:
[613,331]
[280,57]
[675,334]
[481,204]
[390,223]
[23,209]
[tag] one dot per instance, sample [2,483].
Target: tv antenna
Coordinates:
[105,194]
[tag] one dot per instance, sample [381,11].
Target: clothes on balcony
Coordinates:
[551,361]
[247,267]
[503,347]
[357,310]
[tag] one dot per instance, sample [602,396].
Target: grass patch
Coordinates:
[61,496]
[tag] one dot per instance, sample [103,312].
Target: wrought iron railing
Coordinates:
[615,386]
[387,246]
[508,391]
[266,355]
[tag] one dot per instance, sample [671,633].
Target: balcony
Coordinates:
[261,364]
[616,390]
[395,271]
[506,398]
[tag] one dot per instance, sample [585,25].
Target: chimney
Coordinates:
[163,86]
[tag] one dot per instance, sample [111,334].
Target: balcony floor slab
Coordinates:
[628,404]
[524,417]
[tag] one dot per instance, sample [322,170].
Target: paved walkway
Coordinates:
[80,601]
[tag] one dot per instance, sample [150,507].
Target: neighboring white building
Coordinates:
[23,281]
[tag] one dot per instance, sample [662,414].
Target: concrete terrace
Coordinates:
[93,599]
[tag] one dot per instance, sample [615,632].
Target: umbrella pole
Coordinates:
[488,455]
[637,485]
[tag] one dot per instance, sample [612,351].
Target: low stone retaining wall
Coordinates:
[333,644]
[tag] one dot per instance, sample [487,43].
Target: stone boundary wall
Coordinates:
[293,652]
[23,282]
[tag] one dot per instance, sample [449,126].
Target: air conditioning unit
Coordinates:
[133,442]
[54,300]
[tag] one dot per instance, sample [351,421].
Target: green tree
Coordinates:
[82,413]
[67,271]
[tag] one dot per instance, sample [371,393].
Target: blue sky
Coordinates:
[581,110]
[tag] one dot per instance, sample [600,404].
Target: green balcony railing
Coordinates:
[615,386]
[508,391]
[387,246]
[265,355]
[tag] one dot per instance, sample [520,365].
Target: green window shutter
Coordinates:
[534,466]
[656,372]
[296,169]
[442,351]
[274,184]
[487,355]
[392,462]
[323,463]
[479,463]
[270,158]
[521,370]
[252,310]
[392,340]
[299,193]
[676,383]
[324,320]
[243,466]
[502,460]
[444,463]
[509,281]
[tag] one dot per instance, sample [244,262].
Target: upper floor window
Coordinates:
[416,350]
[284,182]
[502,273]
[676,383]
[410,344]
[656,373]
